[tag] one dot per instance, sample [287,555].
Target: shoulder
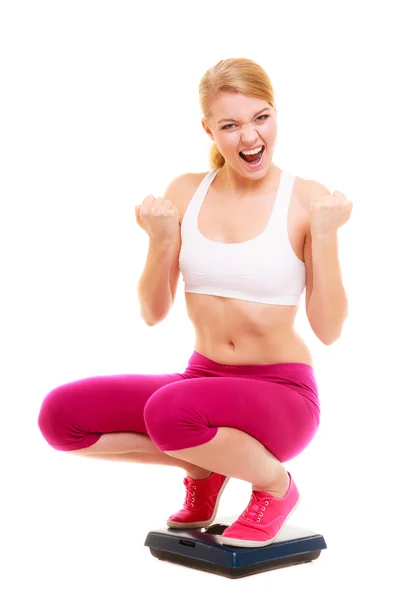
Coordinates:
[309,191]
[180,190]
[185,181]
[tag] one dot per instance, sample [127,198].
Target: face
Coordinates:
[239,123]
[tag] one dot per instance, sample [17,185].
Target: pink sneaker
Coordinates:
[201,502]
[262,520]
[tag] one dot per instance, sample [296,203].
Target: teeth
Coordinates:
[252,151]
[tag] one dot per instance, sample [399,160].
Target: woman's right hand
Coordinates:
[158,217]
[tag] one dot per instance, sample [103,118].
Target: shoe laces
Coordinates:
[190,493]
[255,509]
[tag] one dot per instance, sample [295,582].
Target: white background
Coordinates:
[99,107]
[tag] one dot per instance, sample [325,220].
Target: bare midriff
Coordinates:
[237,332]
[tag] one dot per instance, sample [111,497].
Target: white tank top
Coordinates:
[264,269]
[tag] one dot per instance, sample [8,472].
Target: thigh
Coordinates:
[76,414]
[277,415]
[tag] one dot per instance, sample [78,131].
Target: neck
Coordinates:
[237,186]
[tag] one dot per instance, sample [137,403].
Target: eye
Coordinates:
[229,124]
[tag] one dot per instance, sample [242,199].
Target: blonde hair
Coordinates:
[238,75]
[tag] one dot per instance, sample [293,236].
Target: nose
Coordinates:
[249,134]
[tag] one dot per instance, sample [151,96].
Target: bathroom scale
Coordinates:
[203,549]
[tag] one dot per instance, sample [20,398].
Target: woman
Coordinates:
[248,237]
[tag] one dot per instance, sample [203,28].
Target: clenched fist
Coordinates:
[158,217]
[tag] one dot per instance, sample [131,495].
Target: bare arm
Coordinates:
[328,305]
[154,290]
[158,282]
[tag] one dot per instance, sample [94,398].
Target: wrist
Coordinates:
[160,244]
[326,236]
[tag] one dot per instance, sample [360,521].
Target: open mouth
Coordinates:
[253,159]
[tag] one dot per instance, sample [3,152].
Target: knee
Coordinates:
[165,409]
[160,410]
[53,417]
[173,419]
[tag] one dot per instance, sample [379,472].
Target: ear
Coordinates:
[207,129]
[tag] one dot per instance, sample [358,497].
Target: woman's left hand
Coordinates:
[329,212]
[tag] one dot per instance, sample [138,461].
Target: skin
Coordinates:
[243,132]
[232,331]
[237,208]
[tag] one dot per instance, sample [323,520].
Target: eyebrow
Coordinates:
[257,113]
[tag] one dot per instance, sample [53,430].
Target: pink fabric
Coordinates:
[275,403]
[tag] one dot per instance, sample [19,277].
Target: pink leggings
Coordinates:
[275,403]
